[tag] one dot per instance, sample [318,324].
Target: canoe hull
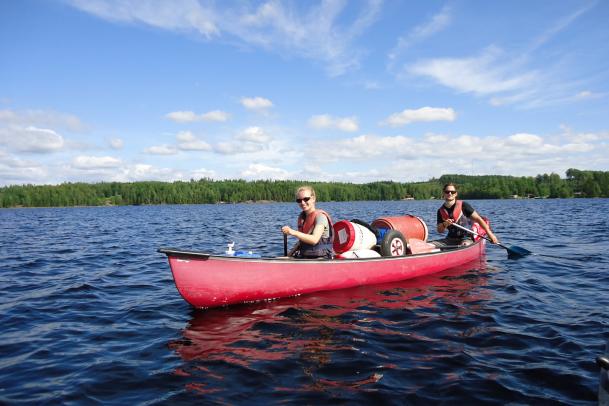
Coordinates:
[208,281]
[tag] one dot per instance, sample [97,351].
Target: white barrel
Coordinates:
[350,236]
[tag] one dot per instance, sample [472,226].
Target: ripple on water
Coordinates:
[90,314]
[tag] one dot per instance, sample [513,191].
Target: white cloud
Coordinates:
[559,26]
[190,116]
[436,23]
[148,172]
[321,121]
[97,169]
[196,145]
[577,147]
[507,77]
[483,75]
[423,114]
[363,176]
[261,171]
[185,136]
[256,103]
[358,159]
[187,15]
[584,138]
[14,170]
[326,121]
[161,150]
[518,149]
[254,134]
[203,173]
[314,33]
[116,143]
[520,97]
[41,118]
[503,78]
[233,148]
[188,142]
[95,162]
[215,115]
[182,116]
[586,94]
[525,140]
[323,32]
[255,144]
[363,147]
[31,139]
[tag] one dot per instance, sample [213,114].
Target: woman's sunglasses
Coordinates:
[450,192]
[304,199]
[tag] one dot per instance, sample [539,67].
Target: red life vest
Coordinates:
[458,217]
[306,223]
[457,212]
[323,248]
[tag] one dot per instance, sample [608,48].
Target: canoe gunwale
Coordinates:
[178,253]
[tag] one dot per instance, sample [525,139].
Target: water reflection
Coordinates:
[318,336]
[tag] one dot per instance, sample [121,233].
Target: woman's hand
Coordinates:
[311,239]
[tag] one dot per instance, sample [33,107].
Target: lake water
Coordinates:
[89,313]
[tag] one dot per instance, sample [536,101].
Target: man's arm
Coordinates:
[442,225]
[476,217]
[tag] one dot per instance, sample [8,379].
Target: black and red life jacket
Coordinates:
[458,217]
[323,248]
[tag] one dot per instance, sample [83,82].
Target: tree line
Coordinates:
[577,183]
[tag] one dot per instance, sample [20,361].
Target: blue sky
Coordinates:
[352,91]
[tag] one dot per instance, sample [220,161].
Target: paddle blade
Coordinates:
[517,252]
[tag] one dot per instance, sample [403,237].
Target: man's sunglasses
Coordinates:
[304,199]
[450,192]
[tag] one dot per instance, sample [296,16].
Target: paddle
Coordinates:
[285,245]
[513,251]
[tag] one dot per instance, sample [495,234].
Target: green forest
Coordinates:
[578,183]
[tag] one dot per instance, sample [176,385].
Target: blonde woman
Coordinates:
[315,233]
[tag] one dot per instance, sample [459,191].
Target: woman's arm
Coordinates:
[310,239]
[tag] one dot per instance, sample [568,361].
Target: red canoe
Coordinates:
[206,280]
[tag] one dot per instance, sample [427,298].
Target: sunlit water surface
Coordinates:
[89,313]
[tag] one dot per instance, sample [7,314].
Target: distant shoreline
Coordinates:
[272,202]
[577,184]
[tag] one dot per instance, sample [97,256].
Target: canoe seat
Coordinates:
[421,247]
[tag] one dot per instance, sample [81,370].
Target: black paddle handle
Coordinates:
[285,245]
